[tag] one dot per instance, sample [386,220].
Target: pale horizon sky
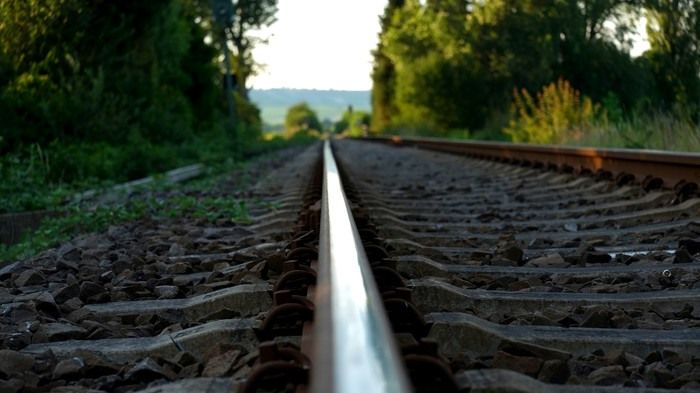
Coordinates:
[327,44]
[319,44]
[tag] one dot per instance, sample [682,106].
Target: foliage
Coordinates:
[103,71]
[96,91]
[558,114]
[32,180]
[249,126]
[453,64]
[39,178]
[115,73]
[431,67]
[384,74]
[674,34]
[301,118]
[250,15]
[353,123]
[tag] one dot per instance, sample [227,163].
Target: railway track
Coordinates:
[376,268]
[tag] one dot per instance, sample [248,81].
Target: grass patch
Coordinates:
[36,178]
[26,183]
[75,220]
[660,131]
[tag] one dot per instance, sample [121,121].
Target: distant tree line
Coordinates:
[302,120]
[451,64]
[120,73]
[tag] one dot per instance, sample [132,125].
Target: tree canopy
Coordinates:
[301,118]
[449,64]
[121,73]
[250,14]
[102,70]
[353,123]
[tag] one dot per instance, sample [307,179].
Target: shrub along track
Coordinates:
[534,280]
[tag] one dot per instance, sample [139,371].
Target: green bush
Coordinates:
[556,115]
[301,118]
[353,123]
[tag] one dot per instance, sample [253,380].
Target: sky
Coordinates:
[319,44]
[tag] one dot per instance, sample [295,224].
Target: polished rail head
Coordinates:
[355,350]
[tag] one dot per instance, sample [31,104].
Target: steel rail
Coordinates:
[670,167]
[354,348]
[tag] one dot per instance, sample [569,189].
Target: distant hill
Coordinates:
[328,104]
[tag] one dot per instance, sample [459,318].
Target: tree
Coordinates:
[301,118]
[101,71]
[437,82]
[353,123]
[444,64]
[674,34]
[383,75]
[512,43]
[249,15]
[594,46]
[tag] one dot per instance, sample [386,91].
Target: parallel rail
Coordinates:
[651,167]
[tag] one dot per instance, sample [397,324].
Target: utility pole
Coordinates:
[224,13]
